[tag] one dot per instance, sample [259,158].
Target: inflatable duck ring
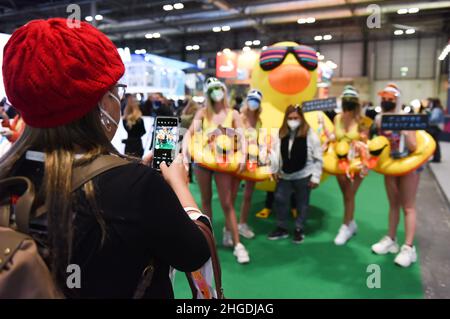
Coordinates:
[216,151]
[383,163]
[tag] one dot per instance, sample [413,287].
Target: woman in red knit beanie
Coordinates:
[64,83]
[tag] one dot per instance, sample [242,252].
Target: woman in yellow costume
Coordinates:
[217,115]
[401,190]
[349,129]
[250,115]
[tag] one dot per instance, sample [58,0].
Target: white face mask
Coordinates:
[293,124]
[109,117]
[217,95]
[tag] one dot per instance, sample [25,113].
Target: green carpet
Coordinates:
[316,268]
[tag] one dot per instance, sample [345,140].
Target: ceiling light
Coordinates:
[141,51]
[327,37]
[318,38]
[248,43]
[156,35]
[413,10]
[310,20]
[264,47]
[89,19]
[149,36]
[98,17]
[168,7]
[256,42]
[195,47]
[216,29]
[246,49]
[402,11]
[188,47]
[301,21]
[226,28]
[178,6]
[226,51]
[410,31]
[398,32]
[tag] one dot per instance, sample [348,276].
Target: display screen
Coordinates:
[165,140]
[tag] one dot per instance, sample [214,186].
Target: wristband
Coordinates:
[192,209]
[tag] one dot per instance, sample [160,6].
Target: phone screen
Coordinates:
[165,142]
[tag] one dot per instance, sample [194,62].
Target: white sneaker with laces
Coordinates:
[345,233]
[407,256]
[245,231]
[241,254]
[227,239]
[385,245]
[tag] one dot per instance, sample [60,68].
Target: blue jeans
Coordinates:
[282,201]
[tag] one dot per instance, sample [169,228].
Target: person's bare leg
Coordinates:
[246,202]
[235,188]
[350,213]
[203,177]
[344,184]
[392,191]
[223,183]
[408,190]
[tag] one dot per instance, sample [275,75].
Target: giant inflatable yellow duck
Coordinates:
[286,74]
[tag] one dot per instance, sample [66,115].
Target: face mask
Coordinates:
[349,106]
[106,114]
[156,104]
[217,95]
[388,106]
[253,105]
[293,124]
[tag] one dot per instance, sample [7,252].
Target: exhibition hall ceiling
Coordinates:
[162,25]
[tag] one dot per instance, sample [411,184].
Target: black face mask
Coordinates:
[349,106]
[388,106]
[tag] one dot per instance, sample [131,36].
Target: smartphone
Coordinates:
[165,140]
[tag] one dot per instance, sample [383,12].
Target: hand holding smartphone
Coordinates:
[165,140]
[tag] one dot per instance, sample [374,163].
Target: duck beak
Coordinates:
[289,79]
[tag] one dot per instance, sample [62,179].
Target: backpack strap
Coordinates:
[82,174]
[23,204]
[214,257]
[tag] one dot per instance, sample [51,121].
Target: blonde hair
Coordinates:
[132,113]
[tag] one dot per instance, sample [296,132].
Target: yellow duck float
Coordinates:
[383,163]
[215,151]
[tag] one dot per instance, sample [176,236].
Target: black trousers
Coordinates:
[435,132]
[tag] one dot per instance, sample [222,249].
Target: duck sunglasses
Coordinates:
[274,56]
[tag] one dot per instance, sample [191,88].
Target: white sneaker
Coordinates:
[227,239]
[241,254]
[345,233]
[385,245]
[245,231]
[407,256]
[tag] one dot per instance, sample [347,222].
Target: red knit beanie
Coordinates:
[55,74]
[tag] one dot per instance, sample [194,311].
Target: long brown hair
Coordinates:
[60,144]
[132,112]
[303,129]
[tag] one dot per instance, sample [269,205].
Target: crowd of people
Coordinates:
[134,210]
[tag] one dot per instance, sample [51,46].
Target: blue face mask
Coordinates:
[253,105]
[156,104]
